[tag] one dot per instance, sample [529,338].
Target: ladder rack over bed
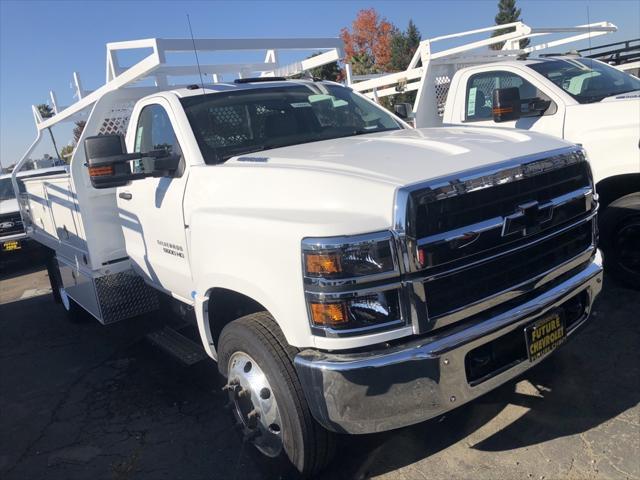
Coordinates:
[430,71]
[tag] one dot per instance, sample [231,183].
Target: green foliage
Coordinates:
[77,130]
[403,46]
[329,71]
[45,110]
[507,13]
[66,153]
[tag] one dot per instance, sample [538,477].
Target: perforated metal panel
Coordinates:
[442,85]
[124,295]
[118,119]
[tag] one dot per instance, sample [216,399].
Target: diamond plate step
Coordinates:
[177,345]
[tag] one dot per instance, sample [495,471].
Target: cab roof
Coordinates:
[196,90]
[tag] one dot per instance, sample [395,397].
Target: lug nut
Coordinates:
[230,386]
[253,415]
[265,393]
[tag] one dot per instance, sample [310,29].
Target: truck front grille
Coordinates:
[435,216]
[10,224]
[486,237]
[467,286]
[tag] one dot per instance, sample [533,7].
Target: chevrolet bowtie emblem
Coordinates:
[528,218]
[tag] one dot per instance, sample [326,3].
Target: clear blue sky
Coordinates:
[43,42]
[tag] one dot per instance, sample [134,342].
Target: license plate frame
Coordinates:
[545,335]
[11,245]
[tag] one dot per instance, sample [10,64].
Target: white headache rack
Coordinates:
[430,71]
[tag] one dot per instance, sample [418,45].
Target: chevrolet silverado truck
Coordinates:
[348,273]
[579,99]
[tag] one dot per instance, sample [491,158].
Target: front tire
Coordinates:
[266,397]
[620,239]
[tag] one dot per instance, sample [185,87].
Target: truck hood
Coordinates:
[9,206]
[403,157]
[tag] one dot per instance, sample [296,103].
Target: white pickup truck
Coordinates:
[582,100]
[348,273]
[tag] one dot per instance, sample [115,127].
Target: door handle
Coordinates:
[125,195]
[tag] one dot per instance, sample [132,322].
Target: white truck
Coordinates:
[579,99]
[348,273]
[13,237]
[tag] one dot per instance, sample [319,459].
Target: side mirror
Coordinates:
[506,104]
[108,161]
[109,165]
[403,110]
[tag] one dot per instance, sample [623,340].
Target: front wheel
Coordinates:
[266,397]
[620,239]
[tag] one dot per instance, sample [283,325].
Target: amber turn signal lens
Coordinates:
[100,171]
[322,263]
[328,314]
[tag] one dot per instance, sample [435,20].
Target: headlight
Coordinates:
[348,257]
[361,311]
[330,265]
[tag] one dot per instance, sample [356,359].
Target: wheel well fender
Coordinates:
[612,188]
[220,308]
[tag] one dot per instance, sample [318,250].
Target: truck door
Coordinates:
[151,209]
[478,99]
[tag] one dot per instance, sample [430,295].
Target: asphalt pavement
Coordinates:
[81,400]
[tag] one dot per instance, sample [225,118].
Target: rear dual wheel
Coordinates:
[265,395]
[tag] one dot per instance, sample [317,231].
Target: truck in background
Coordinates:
[348,273]
[623,55]
[13,237]
[579,99]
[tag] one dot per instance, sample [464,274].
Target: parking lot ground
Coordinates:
[80,401]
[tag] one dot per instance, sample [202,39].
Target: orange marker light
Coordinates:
[100,171]
[322,263]
[328,314]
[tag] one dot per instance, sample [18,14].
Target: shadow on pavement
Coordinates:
[589,381]
[88,401]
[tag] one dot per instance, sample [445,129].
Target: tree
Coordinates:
[507,13]
[330,71]
[47,112]
[368,43]
[67,152]
[77,131]
[403,46]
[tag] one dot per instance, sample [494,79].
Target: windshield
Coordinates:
[6,189]
[587,80]
[227,124]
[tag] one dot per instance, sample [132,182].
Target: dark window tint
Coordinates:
[227,124]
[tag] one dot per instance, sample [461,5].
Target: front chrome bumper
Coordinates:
[405,384]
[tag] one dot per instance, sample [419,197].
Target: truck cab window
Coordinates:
[228,124]
[154,132]
[480,87]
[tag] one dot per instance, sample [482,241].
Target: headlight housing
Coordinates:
[347,258]
[339,273]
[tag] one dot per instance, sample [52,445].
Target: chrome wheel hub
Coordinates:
[253,404]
